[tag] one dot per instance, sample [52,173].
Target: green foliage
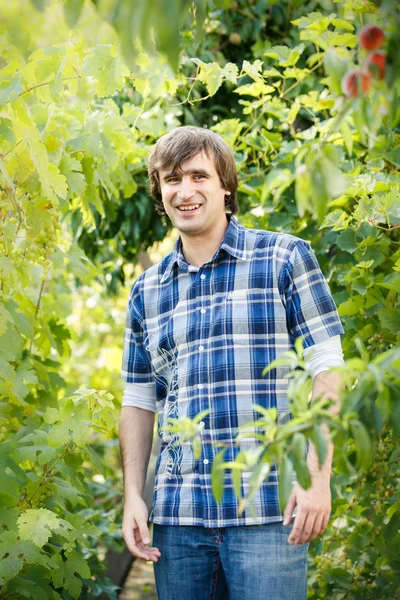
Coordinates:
[76,126]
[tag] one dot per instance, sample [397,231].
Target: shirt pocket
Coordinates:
[245,312]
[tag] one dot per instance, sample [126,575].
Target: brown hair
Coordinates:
[181,144]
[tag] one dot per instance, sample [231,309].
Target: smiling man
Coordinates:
[201,326]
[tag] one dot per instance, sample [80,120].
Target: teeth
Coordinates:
[192,207]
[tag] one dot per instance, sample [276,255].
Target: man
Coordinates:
[201,326]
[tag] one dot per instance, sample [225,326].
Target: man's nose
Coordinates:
[186,188]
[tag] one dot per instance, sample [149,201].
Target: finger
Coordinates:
[325,521]
[144,531]
[143,547]
[317,527]
[297,527]
[128,535]
[288,514]
[306,530]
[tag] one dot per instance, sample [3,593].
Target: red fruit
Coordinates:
[371,37]
[356,83]
[376,63]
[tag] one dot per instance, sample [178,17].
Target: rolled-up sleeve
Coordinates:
[310,308]
[136,361]
[140,395]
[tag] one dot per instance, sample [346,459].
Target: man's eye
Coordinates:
[199,176]
[172,179]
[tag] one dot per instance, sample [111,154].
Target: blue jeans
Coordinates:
[252,562]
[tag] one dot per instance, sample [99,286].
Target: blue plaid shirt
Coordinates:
[203,336]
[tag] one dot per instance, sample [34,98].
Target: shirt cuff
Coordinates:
[141,395]
[324,355]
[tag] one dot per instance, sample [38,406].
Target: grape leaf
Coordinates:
[107,68]
[231,72]
[11,553]
[11,344]
[67,572]
[346,241]
[4,317]
[35,447]
[71,168]
[211,75]
[69,421]
[350,307]
[21,321]
[8,518]
[7,371]
[53,182]
[10,82]
[37,525]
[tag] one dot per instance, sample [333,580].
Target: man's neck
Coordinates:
[199,249]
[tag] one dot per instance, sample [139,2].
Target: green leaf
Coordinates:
[363,445]
[298,455]
[10,561]
[285,483]
[38,525]
[11,344]
[317,437]
[231,72]
[389,318]
[336,220]
[8,518]
[107,68]
[97,461]
[71,168]
[217,476]
[286,57]
[64,489]
[34,447]
[335,181]
[211,75]
[12,551]
[53,182]
[348,137]
[346,241]
[314,20]
[72,11]
[352,306]
[258,475]
[336,63]
[342,578]
[70,421]
[7,371]
[67,573]
[10,83]
[197,447]
[236,475]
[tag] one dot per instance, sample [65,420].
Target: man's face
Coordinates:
[196,187]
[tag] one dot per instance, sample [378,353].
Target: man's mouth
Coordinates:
[188,207]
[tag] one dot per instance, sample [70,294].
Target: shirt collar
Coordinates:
[234,243]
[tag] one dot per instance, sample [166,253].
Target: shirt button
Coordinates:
[200,386]
[202,276]
[201,424]
[205,461]
[203,310]
[201,348]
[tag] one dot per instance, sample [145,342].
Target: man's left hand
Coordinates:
[313,511]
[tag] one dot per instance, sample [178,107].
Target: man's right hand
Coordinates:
[135,531]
